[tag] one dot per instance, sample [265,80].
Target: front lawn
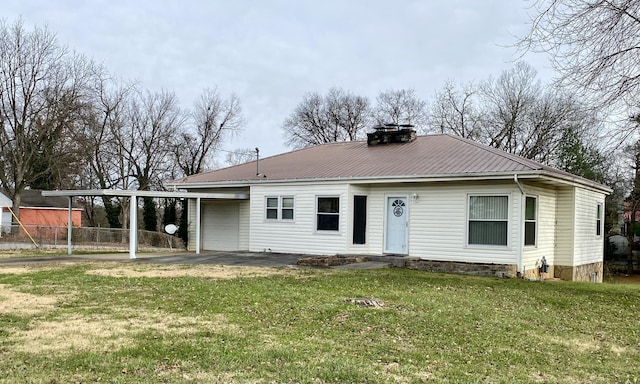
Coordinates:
[139,323]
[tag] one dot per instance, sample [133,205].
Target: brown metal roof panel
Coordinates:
[427,155]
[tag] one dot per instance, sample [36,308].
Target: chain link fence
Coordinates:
[15,237]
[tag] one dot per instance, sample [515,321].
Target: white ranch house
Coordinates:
[437,199]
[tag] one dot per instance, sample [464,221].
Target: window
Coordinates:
[530,220]
[287,208]
[599,220]
[488,220]
[328,214]
[279,208]
[272,208]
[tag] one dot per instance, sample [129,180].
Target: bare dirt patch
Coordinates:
[19,303]
[209,271]
[626,279]
[584,345]
[102,333]
[20,270]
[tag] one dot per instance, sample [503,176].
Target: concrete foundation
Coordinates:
[534,273]
[500,270]
[587,272]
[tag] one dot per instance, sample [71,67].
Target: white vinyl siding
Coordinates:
[244,225]
[565,227]
[588,245]
[546,216]
[576,237]
[300,235]
[438,221]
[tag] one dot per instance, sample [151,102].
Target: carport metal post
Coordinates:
[69,226]
[133,226]
[198,224]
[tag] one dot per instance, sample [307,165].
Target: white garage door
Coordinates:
[220,226]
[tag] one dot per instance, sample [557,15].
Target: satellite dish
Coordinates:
[170,228]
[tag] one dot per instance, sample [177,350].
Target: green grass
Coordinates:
[297,327]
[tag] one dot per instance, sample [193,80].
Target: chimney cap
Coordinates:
[392,127]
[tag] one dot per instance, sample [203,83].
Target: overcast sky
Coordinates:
[271,52]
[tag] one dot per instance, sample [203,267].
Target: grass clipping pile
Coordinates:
[105,332]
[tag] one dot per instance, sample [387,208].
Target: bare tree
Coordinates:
[457,111]
[520,116]
[594,44]
[517,114]
[401,107]
[632,202]
[338,116]
[42,95]
[153,119]
[240,156]
[106,165]
[213,119]
[347,112]
[509,100]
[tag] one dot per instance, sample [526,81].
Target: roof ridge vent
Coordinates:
[391,133]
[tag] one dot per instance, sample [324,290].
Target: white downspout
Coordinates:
[520,226]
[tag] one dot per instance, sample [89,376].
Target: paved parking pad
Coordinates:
[245,259]
[248,259]
[240,259]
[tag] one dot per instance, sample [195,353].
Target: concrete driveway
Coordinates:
[245,259]
[250,259]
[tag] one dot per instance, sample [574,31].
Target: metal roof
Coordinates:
[428,156]
[138,193]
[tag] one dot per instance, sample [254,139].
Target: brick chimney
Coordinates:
[391,133]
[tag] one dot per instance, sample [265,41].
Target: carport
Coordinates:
[133,208]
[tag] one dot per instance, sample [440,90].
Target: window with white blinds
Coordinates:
[488,220]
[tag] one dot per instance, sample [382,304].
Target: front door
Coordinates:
[396,229]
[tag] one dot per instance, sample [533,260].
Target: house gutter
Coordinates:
[520,225]
[541,175]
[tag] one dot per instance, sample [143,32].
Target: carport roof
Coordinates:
[134,194]
[137,193]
